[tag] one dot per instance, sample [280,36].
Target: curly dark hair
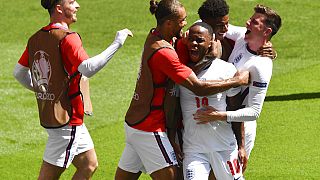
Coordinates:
[213,9]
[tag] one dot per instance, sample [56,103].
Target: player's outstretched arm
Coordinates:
[92,65]
[204,88]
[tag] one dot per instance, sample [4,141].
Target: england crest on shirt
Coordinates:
[237,59]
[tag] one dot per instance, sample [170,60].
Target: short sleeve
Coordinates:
[171,66]
[235,32]
[24,58]
[72,50]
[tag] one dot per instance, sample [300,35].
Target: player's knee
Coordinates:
[93,167]
[89,169]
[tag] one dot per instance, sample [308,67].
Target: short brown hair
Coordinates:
[273,20]
[50,4]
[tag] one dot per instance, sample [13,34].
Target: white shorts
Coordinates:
[146,151]
[65,143]
[225,165]
[250,128]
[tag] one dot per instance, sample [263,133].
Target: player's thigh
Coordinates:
[86,160]
[195,166]
[168,173]
[154,150]
[130,161]
[125,175]
[85,156]
[65,143]
[226,165]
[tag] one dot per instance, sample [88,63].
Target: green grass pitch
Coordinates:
[287,144]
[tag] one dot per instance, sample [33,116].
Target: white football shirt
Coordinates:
[260,69]
[213,136]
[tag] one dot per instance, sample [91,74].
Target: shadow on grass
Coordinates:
[301,96]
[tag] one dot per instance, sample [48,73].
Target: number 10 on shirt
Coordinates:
[202,101]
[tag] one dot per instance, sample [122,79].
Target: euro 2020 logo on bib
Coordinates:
[41,70]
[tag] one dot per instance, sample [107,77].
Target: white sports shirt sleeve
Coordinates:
[260,69]
[92,65]
[235,32]
[88,67]
[23,75]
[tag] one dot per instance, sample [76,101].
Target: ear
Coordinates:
[210,49]
[213,49]
[268,32]
[168,22]
[211,44]
[59,8]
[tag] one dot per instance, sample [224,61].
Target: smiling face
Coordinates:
[199,42]
[69,9]
[219,25]
[179,22]
[256,28]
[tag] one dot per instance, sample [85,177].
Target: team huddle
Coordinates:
[197,97]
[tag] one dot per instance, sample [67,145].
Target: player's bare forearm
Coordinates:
[205,88]
[171,132]
[238,130]
[234,103]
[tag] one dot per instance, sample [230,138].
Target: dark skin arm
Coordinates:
[205,88]
[172,132]
[173,114]
[238,129]
[234,103]
[267,51]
